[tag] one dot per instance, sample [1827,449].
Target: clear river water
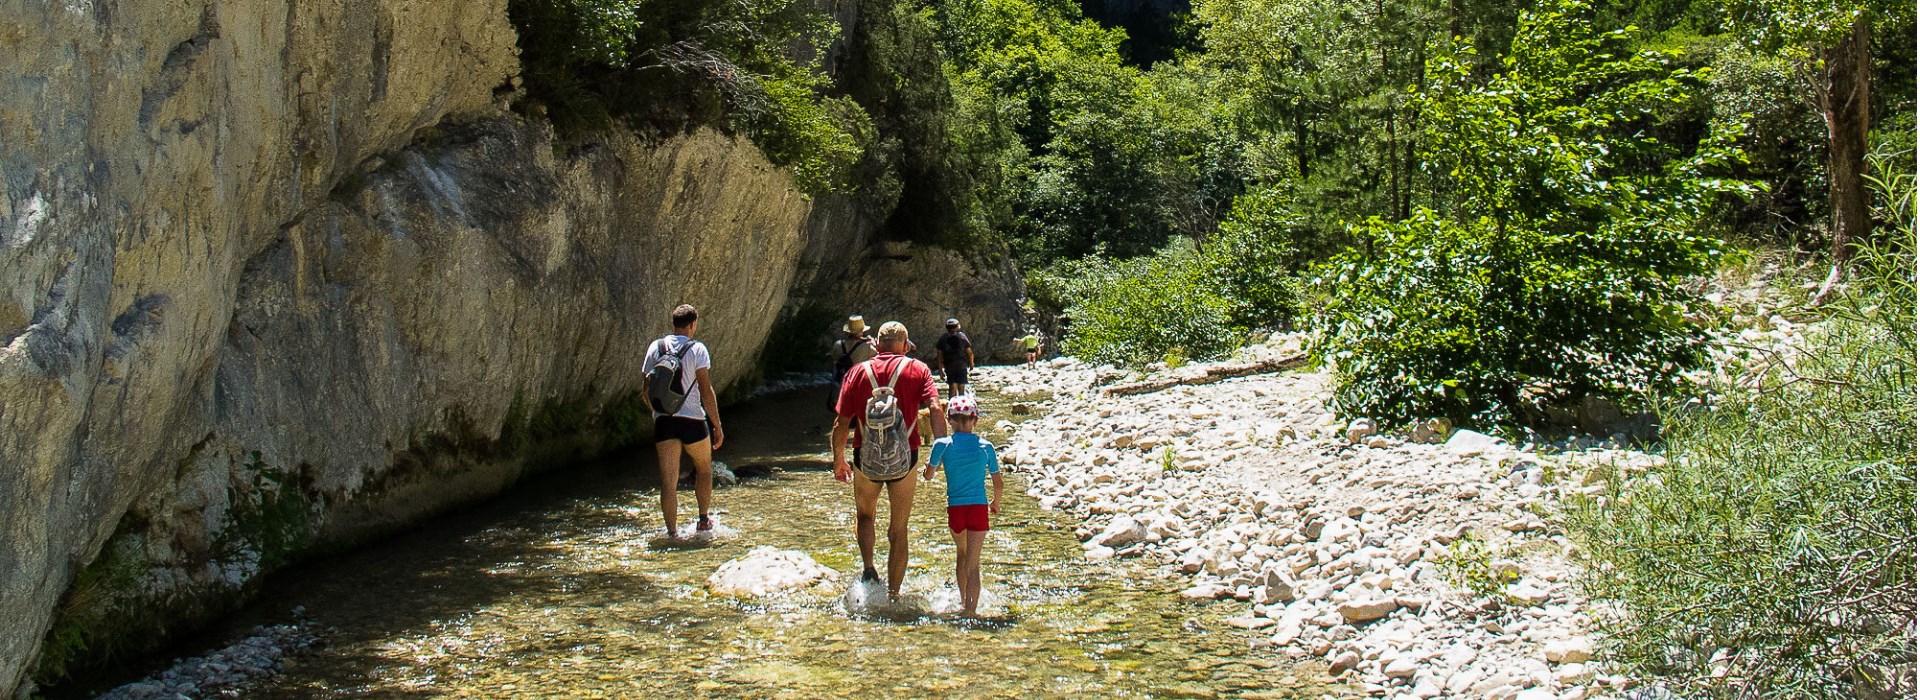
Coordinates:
[564,589]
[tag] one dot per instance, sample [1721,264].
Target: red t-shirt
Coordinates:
[914,391]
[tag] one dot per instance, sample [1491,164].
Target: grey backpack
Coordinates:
[665,390]
[884,452]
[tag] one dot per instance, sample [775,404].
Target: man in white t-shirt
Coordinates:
[686,430]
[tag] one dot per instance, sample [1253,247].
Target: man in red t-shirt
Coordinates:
[914,390]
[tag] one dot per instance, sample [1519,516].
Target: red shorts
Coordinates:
[964,518]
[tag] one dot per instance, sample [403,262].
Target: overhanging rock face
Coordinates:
[281,275]
[151,150]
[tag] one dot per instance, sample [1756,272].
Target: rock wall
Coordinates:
[279,276]
[150,150]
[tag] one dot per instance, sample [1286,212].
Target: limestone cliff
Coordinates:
[280,275]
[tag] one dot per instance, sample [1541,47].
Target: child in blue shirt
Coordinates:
[968,460]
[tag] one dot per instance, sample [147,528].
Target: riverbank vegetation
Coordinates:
[1772,555]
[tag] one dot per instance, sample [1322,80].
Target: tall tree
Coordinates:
[1834,39]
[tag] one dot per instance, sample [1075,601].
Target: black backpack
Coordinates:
[664,388]
[953,348]
[845,364]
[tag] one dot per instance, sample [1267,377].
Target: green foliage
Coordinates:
[1781,528]
[93,623]
[1258,255]
[751,65]
[269,518]
[558,417]
[1090,154]
[1556,273]
[1145,308]
[1183,302]
[1784,140]
[1804,26]
[1317,92]
[629,420]
[1469,564]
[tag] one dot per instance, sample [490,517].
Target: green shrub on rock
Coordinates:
[751,66]
[1556,272]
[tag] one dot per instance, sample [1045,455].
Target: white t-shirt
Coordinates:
[696,359]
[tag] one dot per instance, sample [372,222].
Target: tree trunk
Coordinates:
[1844,100]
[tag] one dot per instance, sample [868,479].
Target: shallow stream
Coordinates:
[565,589]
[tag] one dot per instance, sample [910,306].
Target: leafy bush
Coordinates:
[1258,254]
[1165,305]
[1183,302]
[1773,554]
[1555,273]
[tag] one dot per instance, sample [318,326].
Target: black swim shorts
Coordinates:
[686,430]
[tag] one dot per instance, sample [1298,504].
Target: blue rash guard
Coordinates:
[967,460]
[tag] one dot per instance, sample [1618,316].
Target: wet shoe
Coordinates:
[870,576]
[706,523]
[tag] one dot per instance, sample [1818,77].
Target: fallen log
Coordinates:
[1213,374]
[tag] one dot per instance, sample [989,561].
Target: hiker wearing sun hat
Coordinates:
[968,461]
[853,348]
[879,404]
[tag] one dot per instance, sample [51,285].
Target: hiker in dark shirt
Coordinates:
[956,357]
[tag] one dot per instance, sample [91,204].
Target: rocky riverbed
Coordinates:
[1421,564]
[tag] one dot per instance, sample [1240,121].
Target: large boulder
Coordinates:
[1122,532]
[767,570]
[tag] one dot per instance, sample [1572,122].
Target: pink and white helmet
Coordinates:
[963,405]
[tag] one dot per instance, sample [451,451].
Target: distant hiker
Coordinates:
[879,404]
[1031,344]
[968,461]
[854,347]
[680,392]
[956,357]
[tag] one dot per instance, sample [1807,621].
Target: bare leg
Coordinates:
[960,544]
[866,500]
[702,454]
[899,512]
[669,452]
[970,589]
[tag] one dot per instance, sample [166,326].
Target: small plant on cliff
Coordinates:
[669,65]
[91,624]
